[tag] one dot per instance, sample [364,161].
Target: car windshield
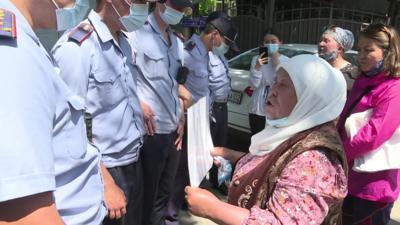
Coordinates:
[243,61]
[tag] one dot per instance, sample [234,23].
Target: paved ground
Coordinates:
[239,142]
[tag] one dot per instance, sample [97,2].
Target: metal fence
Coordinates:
[301,25]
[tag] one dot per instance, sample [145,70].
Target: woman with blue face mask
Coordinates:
[334,42]
[262,76]
[373,190]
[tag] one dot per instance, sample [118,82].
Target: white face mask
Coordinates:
[70,17]
[276,122]
[220,50]
[136,18]
[171,16]
[272,48]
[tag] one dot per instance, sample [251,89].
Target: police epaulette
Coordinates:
[180,36]
[190,45]
[8,27]
[80,33]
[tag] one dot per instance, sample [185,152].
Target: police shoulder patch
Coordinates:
[80,33]
[8,27]
[190,45]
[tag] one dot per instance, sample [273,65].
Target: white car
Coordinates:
[239,71]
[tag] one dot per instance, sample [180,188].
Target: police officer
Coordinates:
[96,62]
[220,87]
[218,36]
[159,57]
[45,165]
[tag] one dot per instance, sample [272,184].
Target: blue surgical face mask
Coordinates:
[376,70]
[220,50]
[171,16]
[329,56]
[277,122]
[70,17]
[272,48]
[136,18]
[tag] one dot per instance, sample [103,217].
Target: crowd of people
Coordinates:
[93,132]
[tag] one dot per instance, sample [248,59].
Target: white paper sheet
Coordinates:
[199,142]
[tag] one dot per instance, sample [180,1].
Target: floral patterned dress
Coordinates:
[304,192]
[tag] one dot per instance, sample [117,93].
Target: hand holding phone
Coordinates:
[263,55]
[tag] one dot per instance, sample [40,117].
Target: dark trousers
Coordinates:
[357,211]
[177,198]
[160,162]
[257,123]
[130,179]
[219,133]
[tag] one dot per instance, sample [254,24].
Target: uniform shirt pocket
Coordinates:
[199,79]
[218,70]
[108,87]
[154,65]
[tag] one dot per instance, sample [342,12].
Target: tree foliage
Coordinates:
[206,6]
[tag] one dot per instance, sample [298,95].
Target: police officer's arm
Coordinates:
[74,61]
[181,127]
[114,196]
[185,95]
[38,209]
[148,115]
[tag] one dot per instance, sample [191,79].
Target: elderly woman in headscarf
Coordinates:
[296,171]
[334,42]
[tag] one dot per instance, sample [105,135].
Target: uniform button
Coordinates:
[236,183]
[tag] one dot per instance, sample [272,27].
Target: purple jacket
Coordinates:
[384,99]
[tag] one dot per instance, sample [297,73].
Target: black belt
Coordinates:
[219,103]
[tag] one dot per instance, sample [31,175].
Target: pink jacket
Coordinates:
[384,99]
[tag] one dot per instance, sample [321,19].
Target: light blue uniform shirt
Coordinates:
[102,71]
[28,103]
[197,59]
[43,145]
[79,192]
[220,82]
[158,63]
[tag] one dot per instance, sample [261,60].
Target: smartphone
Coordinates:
[263,49]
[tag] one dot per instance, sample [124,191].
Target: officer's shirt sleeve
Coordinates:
[27,111]
[74,61]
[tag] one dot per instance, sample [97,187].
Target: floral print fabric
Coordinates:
[305,190]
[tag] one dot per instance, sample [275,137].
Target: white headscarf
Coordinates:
[321,95]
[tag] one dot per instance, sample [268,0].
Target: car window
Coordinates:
[243,61]
[292,52]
